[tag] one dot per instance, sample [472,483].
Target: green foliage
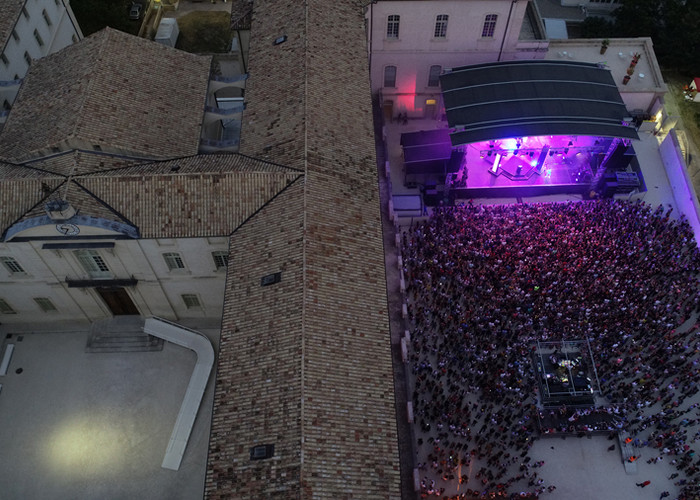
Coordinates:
[95,15]
[672,26]
[205,32]
[597,27]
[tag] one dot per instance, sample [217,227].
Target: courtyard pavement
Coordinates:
[77,425]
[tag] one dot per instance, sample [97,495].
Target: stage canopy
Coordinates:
[532,98]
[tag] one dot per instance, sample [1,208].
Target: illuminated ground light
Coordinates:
[88,444]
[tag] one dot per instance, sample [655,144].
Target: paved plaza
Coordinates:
[77,425]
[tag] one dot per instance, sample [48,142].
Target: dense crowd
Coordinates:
[483,283]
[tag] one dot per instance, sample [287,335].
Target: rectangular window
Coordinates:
[390,76]
[441,26]
[5,308]
[392,26]
[46,17]
[45,304]
[12,265]
[434,76]
[220,259]
[38,38]
[15,36]
[489,26]
[173,261]
[93,263]
[191,301]
[4,59]
[28,58]
[25,13]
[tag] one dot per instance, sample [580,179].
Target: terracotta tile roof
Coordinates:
[182,205]
[19,195]
[10,11]
[81,162]
[212,163]
[319,386]
[80,199]
[202,195]
[109,90]
[259,378]
[273,123]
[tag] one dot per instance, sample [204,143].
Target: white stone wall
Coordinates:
[416,48]
[62,31]
[158,292]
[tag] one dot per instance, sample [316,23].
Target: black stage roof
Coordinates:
[531,98]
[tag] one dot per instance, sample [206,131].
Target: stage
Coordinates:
[518,167]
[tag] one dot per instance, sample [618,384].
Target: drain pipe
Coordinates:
[505,33]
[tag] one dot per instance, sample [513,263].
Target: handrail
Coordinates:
[191,339]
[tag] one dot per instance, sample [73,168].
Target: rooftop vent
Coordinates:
[271,279]
[261,452]
[59,210]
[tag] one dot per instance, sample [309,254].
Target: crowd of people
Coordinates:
[484,283]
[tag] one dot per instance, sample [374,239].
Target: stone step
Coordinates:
[126,342]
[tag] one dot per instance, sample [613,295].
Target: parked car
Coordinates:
[135,11]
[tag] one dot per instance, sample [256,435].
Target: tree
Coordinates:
[672,26]
[597,27]
[93,16]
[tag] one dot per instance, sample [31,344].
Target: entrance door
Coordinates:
[430,108]
[118,301]
[388,110]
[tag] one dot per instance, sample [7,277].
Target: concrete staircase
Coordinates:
[121,334]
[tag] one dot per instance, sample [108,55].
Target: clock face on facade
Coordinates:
[67,229]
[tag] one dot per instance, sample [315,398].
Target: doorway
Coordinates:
[388,111]
[118,301]
[430,108]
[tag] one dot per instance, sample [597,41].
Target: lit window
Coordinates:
[441,26]
[5,308]
[390,76]
[93,263]
[392,26]
[489,26]
[38,38]
[434,76]
[46,17]
[12,265]
[45,304]
[220,259]
[28,58]
[191,301]
[173,260]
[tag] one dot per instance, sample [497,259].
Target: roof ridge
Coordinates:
[33,207]
[160,162]
[104,203]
